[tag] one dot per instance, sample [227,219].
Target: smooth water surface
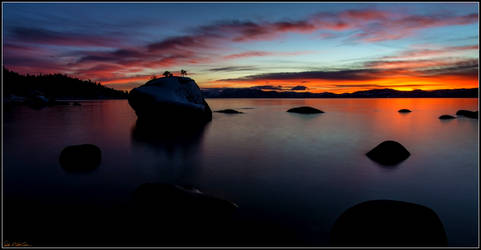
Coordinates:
[296,171]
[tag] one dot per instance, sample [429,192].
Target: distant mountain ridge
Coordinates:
[373,93]
[56,86]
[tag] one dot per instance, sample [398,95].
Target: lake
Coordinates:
[298,172]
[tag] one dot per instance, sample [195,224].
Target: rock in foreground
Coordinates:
[467,113]
[447,117]
[388,153]
[229,111]
[305,110]
[388,223]
[80,158]
[170,99]
[404,111]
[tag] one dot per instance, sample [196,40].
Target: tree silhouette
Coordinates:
[167,74]
[183,72]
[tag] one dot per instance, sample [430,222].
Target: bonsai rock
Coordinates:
[170,99]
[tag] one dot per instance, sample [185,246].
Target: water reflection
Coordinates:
[168,137]
[170,151]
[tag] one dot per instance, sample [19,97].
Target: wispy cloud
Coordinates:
[234,68]
[50,37]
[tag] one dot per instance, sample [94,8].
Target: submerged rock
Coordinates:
[388,223]
[404,111]
[229,111]
[305,110]
[80,158]
[447,117]
[178,214]
[467,113]
[388,153]
[178,202]
[170,99]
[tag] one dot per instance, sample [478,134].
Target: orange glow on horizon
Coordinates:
[402,83]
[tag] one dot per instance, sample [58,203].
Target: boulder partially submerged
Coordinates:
[170,99]
[447,117]
[467,113]
[180,202]
[229,111]
[305,110]
[388,153]
[172,214]
[80,158]
[404,111]
[388,223]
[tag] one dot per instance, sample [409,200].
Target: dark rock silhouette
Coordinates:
[388,153]
[229,111]
[388,223]
[447,117]
[80,158]
[170,99]
[467,113]
[404,111]
[305,110]
[180,215]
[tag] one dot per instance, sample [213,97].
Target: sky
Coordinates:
[315,47]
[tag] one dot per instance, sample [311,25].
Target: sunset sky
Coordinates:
[316,47]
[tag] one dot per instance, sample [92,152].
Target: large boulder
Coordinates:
[80,158]
[388,223]
[172,214]
[170,99]
[467,113]
[388,153]
[404,111]
[305,110]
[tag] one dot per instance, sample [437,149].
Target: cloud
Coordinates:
[233,68]
[299,87]
[212,43]
[374,70]
[45,36]
[378,85]
[419,53]
[270,87]
[248,54]
[347,74]
[264,53]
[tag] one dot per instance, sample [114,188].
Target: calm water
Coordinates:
[300,172]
